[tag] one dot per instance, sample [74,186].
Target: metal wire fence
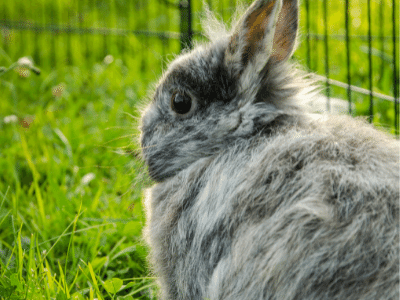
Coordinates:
[353,46]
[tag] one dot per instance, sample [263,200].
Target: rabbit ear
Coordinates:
[267,31]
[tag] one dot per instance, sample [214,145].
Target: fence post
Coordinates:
[395,72]
[186,24]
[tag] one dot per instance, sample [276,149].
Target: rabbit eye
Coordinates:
[181,103]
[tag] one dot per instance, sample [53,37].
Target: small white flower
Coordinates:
[88,178]
[25,62]
[108,59]
[10,119]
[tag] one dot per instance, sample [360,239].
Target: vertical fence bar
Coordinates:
[69,46]
[328,104]
[112,39]
[53,18]
[395,74]
[316,12]
[36,47]
[85,40]
[79,37]
[186,24]
[21,41]
[9,32]
[166,42]
[129,9]
[150,57]
[79,41]
[105,43]
[308,33]
[222,10]
[381,37]
[145,57]
[142,48]
[25,34]
[61,50]
[85,16]
[371,100]
[44,58]
[347,13]
[122,38]
[94,53]
[5,17]
[73,37]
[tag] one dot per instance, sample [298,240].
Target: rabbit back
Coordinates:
[309,213]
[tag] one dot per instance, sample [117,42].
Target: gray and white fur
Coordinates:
[253,198]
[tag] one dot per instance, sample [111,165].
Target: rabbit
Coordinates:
[253,198]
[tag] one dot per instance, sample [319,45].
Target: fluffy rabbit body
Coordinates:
[253,198]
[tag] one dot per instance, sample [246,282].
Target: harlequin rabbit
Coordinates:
[253,199]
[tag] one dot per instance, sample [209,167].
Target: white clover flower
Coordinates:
[10,119]
[25,62]
[88,178]
[24,65]
[108,59]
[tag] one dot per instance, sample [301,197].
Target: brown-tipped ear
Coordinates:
[267,30]
[286,31]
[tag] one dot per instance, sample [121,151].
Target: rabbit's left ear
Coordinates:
[267,31]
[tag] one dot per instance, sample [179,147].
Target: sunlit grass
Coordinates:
[71,186]
[25,272]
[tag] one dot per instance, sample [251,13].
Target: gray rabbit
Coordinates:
[254,199]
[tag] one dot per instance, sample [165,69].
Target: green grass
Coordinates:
[71,185]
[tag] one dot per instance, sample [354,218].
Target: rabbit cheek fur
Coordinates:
[255,200]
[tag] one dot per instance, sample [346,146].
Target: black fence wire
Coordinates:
[132,28]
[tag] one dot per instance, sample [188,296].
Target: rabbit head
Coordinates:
[232,88]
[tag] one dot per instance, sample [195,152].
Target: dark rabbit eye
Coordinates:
[181,103]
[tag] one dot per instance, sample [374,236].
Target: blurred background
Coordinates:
[72,74]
